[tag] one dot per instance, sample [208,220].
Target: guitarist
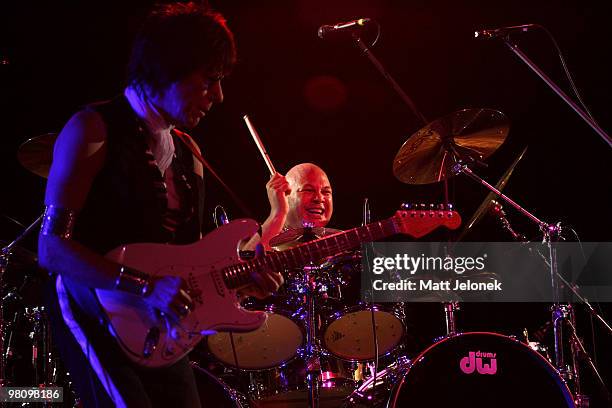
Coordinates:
[121,175]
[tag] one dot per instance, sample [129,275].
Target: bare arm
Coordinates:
[277,189]
[78,156]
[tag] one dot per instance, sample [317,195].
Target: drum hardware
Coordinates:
[375,391]
[560,314]
[449,146]
[365,221]
[497,210]
[488,205]
[5,255]
[450,314]
[313,351]
[223,390]
[28,332]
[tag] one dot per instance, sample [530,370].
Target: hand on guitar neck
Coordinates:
[265,281]
[171,295]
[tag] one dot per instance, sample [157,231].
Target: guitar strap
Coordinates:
[191,145]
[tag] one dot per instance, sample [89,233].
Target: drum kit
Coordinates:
[322,346]
[28,357]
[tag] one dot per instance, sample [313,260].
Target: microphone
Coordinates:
[347,26]
[503,31]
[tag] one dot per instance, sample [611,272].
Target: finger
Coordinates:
[262,285]
[278,184]
[273,278]
[181,310]
[278,279]
[268,283]
[171,314]
[185,297]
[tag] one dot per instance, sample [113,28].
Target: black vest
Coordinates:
[124,205]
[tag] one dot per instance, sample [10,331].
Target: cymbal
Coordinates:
[295,236]
[36,154]
[470,135]
[488,201]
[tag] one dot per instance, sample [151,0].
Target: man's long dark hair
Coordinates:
[176,40]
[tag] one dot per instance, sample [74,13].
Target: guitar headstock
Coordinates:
[418,220]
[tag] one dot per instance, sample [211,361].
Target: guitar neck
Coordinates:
[238,275]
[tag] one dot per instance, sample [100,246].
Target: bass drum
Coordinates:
[477,370]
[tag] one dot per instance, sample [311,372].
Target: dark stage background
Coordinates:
[321,101]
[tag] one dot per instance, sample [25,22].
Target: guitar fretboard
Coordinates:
[239,275]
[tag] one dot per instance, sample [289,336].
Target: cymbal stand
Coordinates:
[577,348]
[312,353]
[579,353]
[450,312]
[5,254]
[562,314]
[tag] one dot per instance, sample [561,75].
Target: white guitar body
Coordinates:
[150,339]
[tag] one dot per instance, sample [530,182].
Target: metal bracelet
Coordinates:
[58,221]
[132,281]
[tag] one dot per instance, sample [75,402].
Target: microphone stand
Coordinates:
[368,53]
[398,89]
[515,49]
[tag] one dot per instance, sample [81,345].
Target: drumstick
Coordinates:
[259,144]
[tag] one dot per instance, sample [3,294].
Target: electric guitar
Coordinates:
[213,269]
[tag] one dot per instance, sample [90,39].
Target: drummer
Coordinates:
[301,198]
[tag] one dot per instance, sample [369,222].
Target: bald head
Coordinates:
[301,171]
[310,199]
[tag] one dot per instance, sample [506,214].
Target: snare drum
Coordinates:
[348,330]
[274,344]
[471,370]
